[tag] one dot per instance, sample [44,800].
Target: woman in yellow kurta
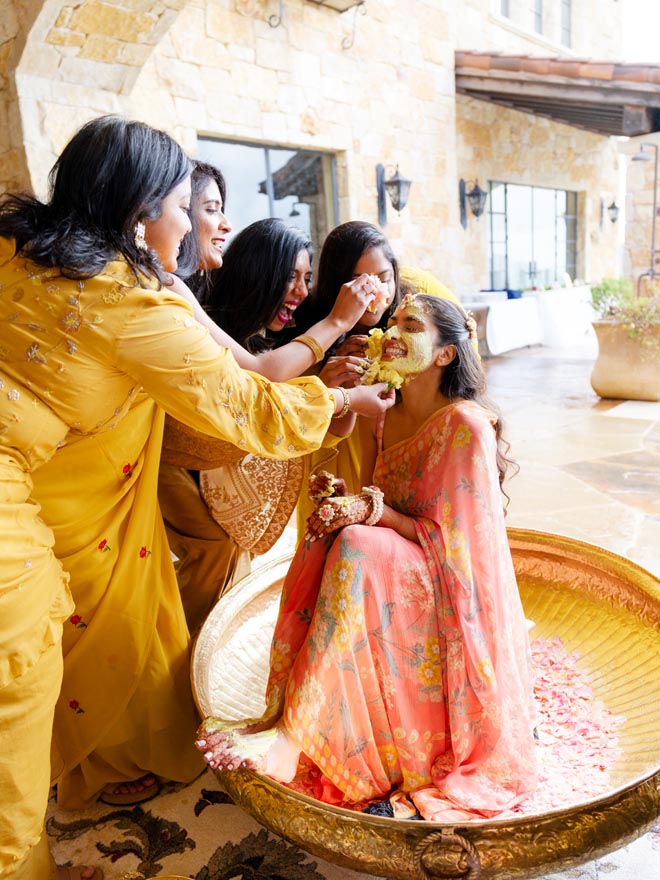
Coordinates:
[94,348]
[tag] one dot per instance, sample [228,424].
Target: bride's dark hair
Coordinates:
[464,378]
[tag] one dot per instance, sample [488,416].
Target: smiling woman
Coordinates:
[265,277]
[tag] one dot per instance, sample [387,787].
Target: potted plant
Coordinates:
[628,331]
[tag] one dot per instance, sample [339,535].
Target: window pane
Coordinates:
[566,23]
[533,242]
[498,228]
[536,9]
[519,217]
[498,266]
[269,181]
[543,244]
[299,191]
[497,191]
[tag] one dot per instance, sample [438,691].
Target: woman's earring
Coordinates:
[140,243]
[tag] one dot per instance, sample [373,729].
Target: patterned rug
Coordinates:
[196,831]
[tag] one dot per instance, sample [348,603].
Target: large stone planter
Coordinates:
[624,369]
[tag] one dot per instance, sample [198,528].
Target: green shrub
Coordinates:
[613,300]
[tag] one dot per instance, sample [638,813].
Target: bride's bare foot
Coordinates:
[272,751]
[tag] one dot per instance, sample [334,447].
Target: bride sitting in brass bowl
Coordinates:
[399,669]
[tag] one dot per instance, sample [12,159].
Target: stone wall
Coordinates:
[596,30]
[388,99]
[217,68]
[493,143]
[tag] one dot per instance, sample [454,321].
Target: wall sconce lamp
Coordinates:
[397,188]
[612,212]
[294,212]
[475,197]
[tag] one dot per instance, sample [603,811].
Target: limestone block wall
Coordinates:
[596,30]
[388,99]
[493,143]
[217,68]
[69,60]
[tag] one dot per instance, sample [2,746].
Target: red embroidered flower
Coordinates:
[77,621]
[127,470]
[75,705]
[103,545]
[144,552]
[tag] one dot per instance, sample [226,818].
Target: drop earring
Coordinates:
[140,243]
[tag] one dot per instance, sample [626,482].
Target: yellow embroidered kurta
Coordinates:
[88,368]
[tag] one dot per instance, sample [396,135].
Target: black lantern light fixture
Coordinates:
[612,211]
[470,193]
[397,188]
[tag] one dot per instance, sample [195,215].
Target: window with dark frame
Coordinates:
[532,236]
[266,180]
[536,9]
[566,22]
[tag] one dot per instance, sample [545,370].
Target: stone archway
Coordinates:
[62,62]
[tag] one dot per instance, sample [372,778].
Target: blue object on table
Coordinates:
[513,294]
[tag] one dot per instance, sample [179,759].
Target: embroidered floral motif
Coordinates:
[71,345]
[144,552]
[4,353]
[103,545]
[461,437]
[71,321]
[13,394]
[77,708]
[33,354]
[77,621]
[127,470]
[113,297]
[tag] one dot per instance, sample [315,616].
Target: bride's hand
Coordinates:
[335,513]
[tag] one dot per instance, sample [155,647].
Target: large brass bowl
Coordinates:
[601,605]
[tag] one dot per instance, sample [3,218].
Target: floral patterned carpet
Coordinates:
[195,831]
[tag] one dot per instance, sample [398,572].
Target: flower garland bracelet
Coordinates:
[377,505]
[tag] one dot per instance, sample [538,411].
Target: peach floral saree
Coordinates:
[404,666]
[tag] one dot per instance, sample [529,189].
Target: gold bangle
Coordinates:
[347,404]
[316,348]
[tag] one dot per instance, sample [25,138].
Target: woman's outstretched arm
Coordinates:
[295,357]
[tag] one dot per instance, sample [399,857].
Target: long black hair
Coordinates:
[463,378]
[112,173]
[248,291]
[188,263]
[341,251]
